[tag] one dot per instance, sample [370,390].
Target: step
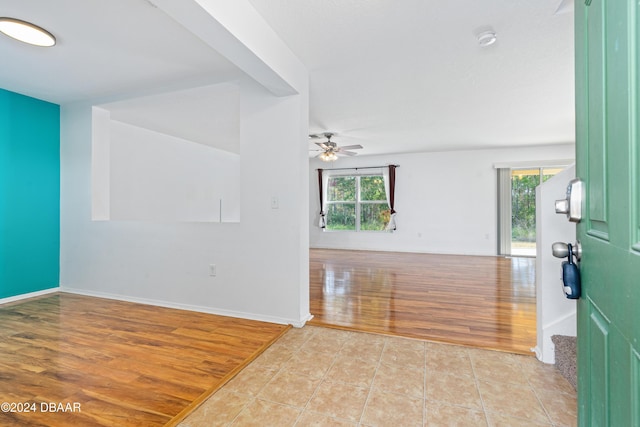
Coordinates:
[566,359]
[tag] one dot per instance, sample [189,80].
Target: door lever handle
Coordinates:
[561,250]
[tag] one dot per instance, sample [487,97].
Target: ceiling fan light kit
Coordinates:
[328,156]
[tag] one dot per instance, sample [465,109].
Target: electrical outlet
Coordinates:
[212,270]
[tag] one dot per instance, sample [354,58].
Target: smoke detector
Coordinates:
[487,38]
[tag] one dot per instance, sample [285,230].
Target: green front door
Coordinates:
[608,160]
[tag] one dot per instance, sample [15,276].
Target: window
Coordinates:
[517,211]
[357,203]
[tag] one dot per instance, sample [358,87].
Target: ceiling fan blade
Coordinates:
[321,145]
[347,153]
[352,147]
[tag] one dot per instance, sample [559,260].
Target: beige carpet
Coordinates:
[566,357]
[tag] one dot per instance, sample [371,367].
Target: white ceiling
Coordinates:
[392,75]
[111,49]
[409,75]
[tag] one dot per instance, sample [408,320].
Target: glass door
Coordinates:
[523,208]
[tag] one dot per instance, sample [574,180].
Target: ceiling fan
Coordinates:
[330,149]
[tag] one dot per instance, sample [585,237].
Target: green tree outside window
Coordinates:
[357,203]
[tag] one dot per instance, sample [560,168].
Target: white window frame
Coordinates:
[358,201]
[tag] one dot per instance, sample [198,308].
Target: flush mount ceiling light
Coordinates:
[487,38]
[26,32]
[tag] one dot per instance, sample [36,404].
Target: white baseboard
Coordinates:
[189,307]
[301,323]
[566,325]
[538,352]
[412,250]
[29,295]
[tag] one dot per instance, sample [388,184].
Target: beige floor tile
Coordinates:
[295,337]
[502,357]
[339,400]
[532,366]
[401,380]
[512,400]
[312,419]
[310,364]
[404,352]
[551,382]
[325,342]
[219,410]
[393,410]
[453,362]
[561,407]
[274,357]
[251,380]
[443,415]
[454,390]
[330,377]
[351,370]
[501,420]
[544,377]
[364,346]
[290,388]
[452,349]
[260,413]
[496,366]
[335,334]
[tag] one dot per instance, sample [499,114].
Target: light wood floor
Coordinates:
[125,364]
[486,302]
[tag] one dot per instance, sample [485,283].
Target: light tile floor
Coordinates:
[326,377]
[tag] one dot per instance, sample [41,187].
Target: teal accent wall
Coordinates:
[29,194]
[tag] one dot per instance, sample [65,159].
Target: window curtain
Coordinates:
[322,191]
[389,176]
[504,211]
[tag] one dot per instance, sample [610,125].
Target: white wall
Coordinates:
[446,202]
[262,262]
[159,177]
[556,315]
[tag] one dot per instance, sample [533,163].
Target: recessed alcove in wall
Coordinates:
[168,157]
